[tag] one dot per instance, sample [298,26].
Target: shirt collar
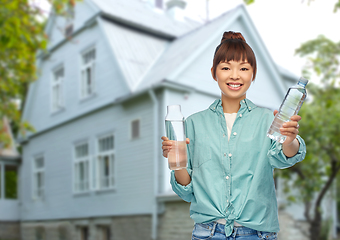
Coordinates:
[216,106]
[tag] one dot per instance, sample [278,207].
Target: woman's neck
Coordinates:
[230,105]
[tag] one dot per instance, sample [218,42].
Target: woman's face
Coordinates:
[234,78]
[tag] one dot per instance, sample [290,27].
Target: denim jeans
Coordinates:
[215,231]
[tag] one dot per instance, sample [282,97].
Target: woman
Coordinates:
[229,178]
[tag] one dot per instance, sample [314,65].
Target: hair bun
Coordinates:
[232,35]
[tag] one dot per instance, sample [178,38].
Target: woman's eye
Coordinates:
[244,69]
[225,68]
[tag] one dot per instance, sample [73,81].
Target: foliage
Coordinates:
[336,5]
[21,37]
[320,128]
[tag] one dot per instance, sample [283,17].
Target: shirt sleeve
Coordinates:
[185,192]
[279,160]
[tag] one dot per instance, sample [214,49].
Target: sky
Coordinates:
[282,24]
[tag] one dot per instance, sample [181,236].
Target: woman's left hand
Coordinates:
[290,129]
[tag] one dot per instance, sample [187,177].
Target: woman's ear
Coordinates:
[212,73]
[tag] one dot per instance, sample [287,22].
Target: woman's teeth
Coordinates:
[234,85]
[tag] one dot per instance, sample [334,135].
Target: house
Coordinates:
[94,168]
[9,168]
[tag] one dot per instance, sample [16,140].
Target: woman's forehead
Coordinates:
[245,61]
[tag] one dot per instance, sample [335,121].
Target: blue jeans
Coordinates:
[215,231]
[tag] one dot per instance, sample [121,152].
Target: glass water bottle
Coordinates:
[174,126]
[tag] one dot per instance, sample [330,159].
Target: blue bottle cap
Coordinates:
[304,81]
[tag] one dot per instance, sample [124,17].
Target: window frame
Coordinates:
[36,171]
[78,160]
[83,89]
[53,83]
[112,161]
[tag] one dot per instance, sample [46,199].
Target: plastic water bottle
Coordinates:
[174,126]
[290,106]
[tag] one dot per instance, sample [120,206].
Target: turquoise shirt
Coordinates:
[233,180]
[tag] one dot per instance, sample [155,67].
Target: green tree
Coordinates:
[336,4]
[21,38]
[320,129]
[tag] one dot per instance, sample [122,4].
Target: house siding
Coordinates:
[108,81]
[133,193]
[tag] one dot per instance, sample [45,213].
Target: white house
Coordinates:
[94,168]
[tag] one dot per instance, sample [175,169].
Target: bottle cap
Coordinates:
[174,113]
[304,81]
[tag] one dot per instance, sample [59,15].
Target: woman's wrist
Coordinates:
[291,149]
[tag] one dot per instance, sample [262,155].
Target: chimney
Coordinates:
[176,9]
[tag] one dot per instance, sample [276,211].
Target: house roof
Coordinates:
[188,48]
[183,49]
[135,51]
[138,14]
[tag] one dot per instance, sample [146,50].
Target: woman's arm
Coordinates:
[291,145]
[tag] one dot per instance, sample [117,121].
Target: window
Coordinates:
[69,21]
[1,181]
[11,182]
[135,129]
[62,233]
[39,234]
[84,233]
[58,76]
[104,233]
[87,73]
[38,177]
[81,168]
[105,166]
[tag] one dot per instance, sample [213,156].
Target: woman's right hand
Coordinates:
[167,144]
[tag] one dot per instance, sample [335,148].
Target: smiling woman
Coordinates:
[230,157]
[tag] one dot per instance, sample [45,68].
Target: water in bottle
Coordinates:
[289,107]
[174,126]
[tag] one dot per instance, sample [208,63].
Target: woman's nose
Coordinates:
[235,75]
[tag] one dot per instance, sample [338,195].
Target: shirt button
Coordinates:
[249,108]
[227,177]
[235,133]
[225,154]
[227,200]
[243,101]
[230,154]
[241,115]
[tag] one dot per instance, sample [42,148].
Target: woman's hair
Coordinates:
[233,46]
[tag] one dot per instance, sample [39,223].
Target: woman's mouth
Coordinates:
[234,86]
